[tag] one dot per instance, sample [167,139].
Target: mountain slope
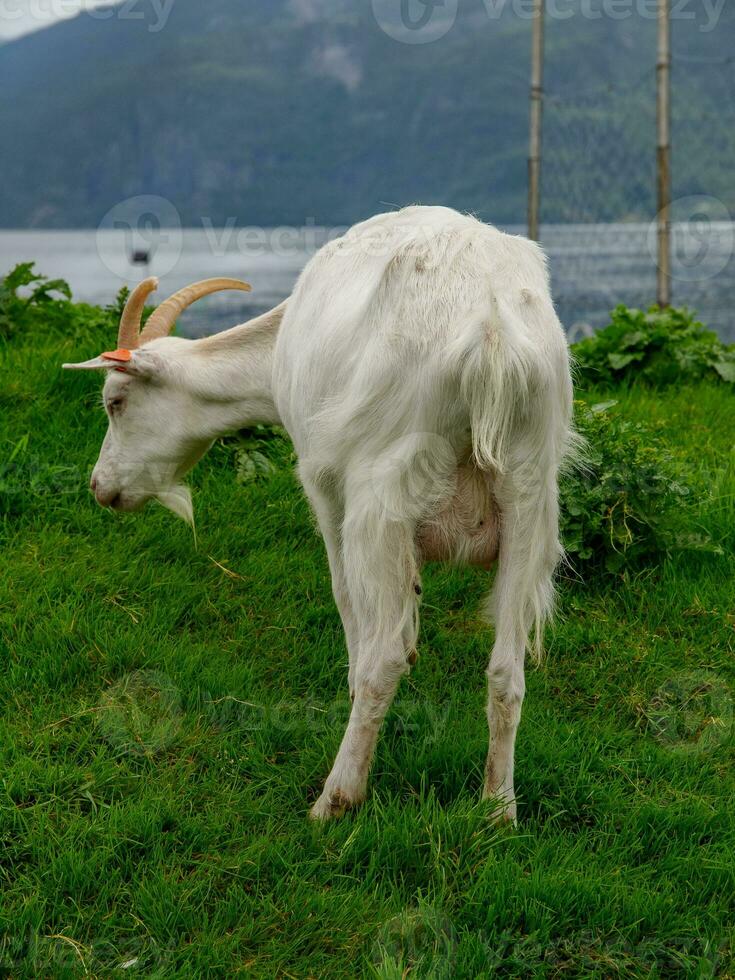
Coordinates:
[281,111]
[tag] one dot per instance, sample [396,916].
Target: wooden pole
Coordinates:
[537,108]
[663,77]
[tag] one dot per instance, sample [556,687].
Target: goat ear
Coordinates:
[141,363]
[96,364]
[144,364]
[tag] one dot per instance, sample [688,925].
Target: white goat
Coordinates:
[423,376]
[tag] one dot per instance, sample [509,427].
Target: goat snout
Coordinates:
[105,496]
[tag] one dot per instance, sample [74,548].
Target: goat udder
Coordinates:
[466,528]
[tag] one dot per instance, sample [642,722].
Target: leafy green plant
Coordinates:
[627,504]
[662,346]
[47,310]
[258,452]
[625,507]
[14,308]
[41,313]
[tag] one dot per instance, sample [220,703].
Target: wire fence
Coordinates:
[599,180]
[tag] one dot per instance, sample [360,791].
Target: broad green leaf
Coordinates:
[619,361]
[726,370]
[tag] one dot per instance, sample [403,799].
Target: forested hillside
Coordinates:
[279,111]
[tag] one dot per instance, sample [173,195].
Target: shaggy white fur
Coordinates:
[423,375]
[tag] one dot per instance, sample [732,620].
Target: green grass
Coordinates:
[168,715]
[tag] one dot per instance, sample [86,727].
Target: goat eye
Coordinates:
[115,404]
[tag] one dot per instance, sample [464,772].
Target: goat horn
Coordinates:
[161,323]
[127,336]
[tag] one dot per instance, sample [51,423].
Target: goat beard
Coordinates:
[178,501]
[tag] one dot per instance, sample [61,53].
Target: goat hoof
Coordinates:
[331,805]
[504,813]
[504,818]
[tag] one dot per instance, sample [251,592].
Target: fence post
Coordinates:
[663,80]
[537,108]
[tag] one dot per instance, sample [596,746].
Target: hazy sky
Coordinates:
[23,16]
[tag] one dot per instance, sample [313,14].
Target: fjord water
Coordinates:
[593,267]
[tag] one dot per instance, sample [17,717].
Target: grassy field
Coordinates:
[169,711]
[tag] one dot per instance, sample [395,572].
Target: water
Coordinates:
[593,268]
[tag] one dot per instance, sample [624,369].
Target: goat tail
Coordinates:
[516,384]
